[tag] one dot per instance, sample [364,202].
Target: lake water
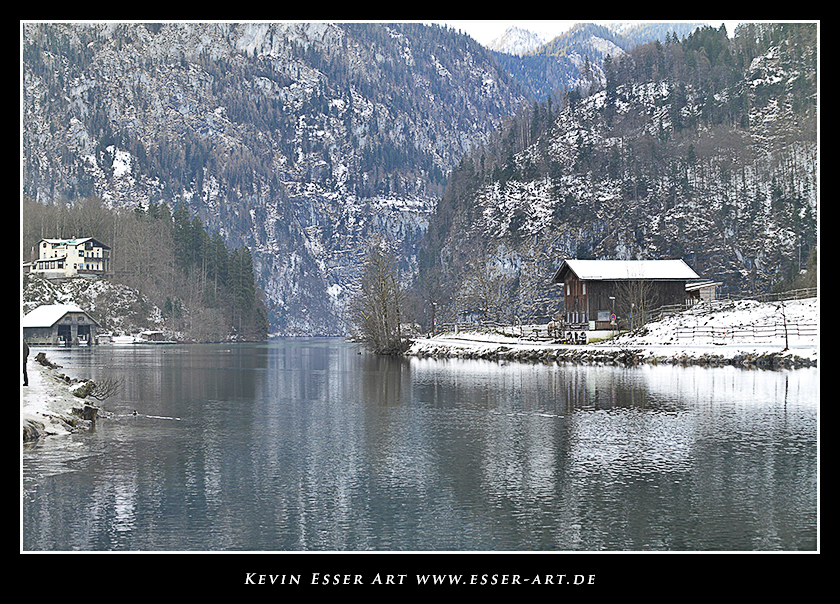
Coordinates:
[312,444]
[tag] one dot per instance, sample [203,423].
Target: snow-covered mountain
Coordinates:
[301,141]
[297,140]
[675,155]
[545,63]
[517,41]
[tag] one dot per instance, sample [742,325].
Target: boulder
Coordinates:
[86,412]
[83,389]
[32,430]
[41,358]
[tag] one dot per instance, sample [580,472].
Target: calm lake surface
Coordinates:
[311,444]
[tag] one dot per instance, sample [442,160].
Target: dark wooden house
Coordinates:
[599,294]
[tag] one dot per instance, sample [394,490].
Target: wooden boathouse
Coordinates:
[59,325]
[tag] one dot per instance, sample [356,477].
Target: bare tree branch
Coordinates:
[105,388]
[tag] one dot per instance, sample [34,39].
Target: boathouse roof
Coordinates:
[50,314]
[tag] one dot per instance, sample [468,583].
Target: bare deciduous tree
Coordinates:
[105,388]
[484,290]
[378,305]
[635,299]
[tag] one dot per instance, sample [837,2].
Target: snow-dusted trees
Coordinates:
[206,291]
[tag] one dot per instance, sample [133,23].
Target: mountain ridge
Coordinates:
[302,141]
[299,140]
[517,41]
[700,148]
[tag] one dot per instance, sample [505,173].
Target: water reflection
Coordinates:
[314,444]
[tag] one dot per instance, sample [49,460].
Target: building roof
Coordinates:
[618,270]
[49,314]
[76,241]
[702,284]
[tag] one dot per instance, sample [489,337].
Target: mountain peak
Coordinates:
[517,41]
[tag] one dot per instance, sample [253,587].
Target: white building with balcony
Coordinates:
[63,258]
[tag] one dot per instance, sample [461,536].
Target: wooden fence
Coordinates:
[723,303]
[793,294]
[748,332]
[525,332]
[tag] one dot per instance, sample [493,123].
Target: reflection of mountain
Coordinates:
[631,442]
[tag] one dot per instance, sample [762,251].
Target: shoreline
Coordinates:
[451,346]
[53,404]
[745,333]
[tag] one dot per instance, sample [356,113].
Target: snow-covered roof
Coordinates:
[48,315]
[615,270]
[702,284]
[76,241]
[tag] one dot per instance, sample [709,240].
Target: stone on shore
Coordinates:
[53,403]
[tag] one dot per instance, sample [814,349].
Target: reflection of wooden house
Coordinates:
[594,290]
[59,324]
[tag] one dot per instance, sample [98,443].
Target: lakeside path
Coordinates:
[664,341]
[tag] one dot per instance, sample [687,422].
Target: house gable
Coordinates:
[52,324]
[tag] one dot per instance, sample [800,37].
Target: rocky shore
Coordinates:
[464,348]
[54,403]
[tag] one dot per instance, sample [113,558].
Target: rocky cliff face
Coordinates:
[300,141]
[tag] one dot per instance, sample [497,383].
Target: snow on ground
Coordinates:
[727,330]
[47,399]
[744,322]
